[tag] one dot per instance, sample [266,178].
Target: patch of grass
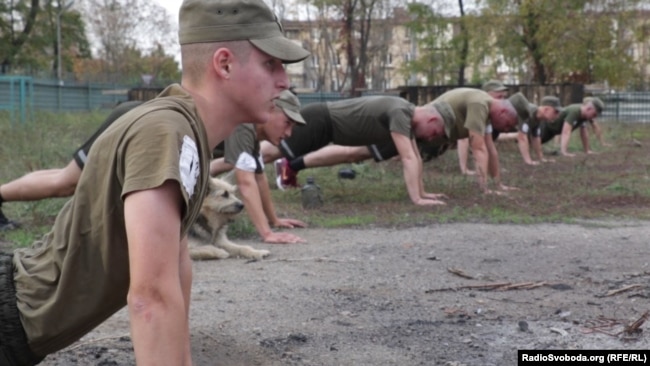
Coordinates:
[242,228]
[612,184]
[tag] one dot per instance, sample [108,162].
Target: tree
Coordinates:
[353,40]
[440,47]
[17,20]
[558,40]
[34,47]
[464,44]
[124,28]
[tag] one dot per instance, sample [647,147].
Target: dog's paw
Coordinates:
[208,252]
[260,254]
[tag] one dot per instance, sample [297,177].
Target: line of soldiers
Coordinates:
[357,129]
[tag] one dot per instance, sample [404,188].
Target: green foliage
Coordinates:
[560,41]
[439,56]
[28,35]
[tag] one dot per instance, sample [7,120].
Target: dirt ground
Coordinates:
[432,295]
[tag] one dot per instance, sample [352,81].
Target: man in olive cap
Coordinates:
[572,117]
[595,126]
[242,153]
[356,129]
[478,114]
[496,90]
[528,129]
[122,237]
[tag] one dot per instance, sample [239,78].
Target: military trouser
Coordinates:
[14,350]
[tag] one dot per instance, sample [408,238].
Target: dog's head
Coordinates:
[221,199]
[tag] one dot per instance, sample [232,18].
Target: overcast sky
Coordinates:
[172,7]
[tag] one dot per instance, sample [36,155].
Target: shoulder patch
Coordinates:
[188,164]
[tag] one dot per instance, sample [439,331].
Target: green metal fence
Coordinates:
[20,95]
[17,97]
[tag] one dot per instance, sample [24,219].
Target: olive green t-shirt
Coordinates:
[528,123]
[77,275]
[370,120]
[472,110]
[571,114]
[242,149]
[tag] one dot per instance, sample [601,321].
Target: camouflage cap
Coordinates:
[522,106]
[494,85]
[552,101]
[204,21]
[597,103]
[447,114]
[290,105]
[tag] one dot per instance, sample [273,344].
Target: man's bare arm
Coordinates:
[481,160]
[156,299]
[564,139]
[269,209]
[524,148]
[412,168]
[250,193]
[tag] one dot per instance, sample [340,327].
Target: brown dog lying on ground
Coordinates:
[207,239]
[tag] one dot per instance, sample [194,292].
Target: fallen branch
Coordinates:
[503,286]
[623,289]
[460,273]
[602,325]
[635,327]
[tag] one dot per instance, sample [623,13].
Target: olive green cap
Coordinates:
[205,21]
[597,103]
[447,113]
[290,105]
[494,85]
[552,101]
[522,106]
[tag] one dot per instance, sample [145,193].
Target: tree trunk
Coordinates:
[464,46]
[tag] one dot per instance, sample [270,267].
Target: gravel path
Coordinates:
[432,295]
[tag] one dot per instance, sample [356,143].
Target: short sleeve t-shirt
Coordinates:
[77,275]
[571,114]
[242,149]
[370,120]
[471,107]
[532,126]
